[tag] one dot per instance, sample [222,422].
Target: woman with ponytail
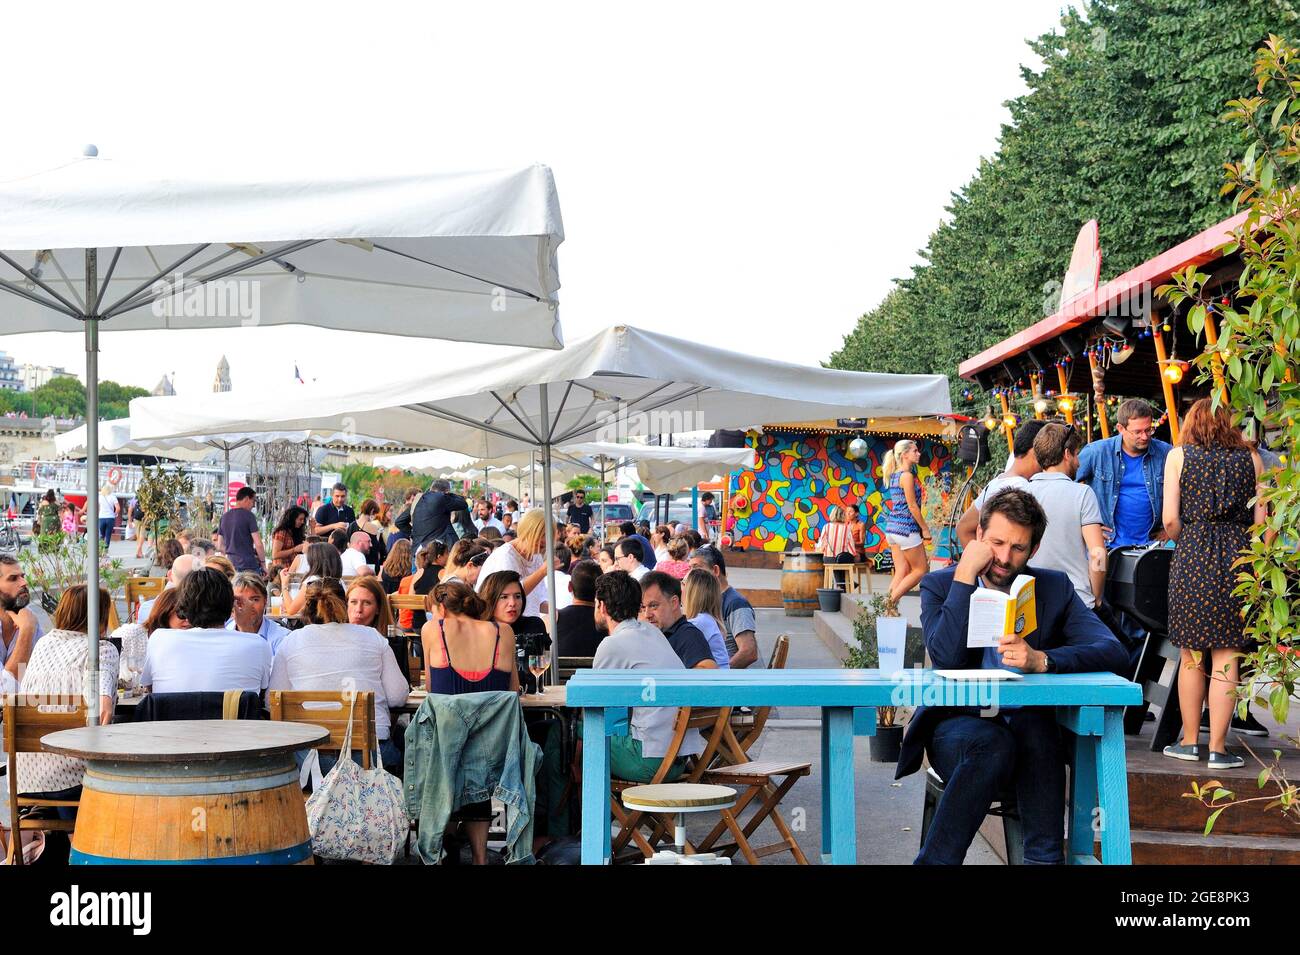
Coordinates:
[905,528]
[467,654]
[332,654]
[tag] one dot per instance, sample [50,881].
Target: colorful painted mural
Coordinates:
[782,505]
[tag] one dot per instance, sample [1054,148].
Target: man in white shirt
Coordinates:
[207,657]
[1074,541]
[250,611]
[1023,466]
[629,556]
[354,558]
[483,517]
[634,644]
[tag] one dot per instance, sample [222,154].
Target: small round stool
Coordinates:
[679,799]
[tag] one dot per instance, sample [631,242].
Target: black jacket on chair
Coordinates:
[158,707]
[1074,637]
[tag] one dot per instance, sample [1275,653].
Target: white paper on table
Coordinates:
[989,674]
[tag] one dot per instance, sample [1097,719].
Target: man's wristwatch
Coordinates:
[1049,665]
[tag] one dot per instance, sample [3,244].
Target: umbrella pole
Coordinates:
[550,536]
[91,687]
[604,499]
[225,491]
[532,478]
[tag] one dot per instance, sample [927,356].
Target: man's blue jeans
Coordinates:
[980,758]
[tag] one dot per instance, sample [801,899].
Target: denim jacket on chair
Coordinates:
[465,749]
[1101,468]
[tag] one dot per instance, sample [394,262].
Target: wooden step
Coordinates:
[1187,848]
[758,559]
[1156,785]
[761,597]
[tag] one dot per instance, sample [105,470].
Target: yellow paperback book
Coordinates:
[994,614]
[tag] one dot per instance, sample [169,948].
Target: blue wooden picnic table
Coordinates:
[1089,705]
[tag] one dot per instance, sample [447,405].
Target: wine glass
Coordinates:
[537,664]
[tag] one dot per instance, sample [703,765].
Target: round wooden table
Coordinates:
[190,792]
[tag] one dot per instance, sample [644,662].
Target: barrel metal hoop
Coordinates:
[290,856]
[198,787]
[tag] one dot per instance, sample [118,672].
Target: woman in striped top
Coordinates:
[835,542]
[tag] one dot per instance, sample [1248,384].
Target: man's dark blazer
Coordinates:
[1069,632]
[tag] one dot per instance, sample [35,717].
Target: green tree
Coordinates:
[1120,125]
[61,397]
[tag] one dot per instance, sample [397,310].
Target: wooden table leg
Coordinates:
[1083,800]
[839,829]
[595,788]
[1112,791]
[827,809]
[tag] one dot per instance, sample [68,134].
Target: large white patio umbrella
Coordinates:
[434,463]
[467,256]
[621,381]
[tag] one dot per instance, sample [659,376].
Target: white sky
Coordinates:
[752,173]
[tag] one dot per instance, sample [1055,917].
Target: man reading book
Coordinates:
[1012,748]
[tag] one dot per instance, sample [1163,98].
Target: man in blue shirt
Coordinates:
[249,614]
[978,754]
[1127,473]
[19,628]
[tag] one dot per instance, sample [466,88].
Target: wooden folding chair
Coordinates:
[713,721]
[141,588]
[26,720]
[746,728]
[755,779]
[398,603]
[329,710]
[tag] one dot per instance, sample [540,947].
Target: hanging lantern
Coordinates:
[990,422]
[857,449]
[1065,403]
[1173,372]
[1040,405]
[1009,420]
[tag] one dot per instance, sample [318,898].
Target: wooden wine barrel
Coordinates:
[190,792]
[801,575]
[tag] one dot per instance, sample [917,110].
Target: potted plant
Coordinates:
[828,599]
[58,562]
[159,495]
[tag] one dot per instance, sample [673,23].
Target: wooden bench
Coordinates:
[1089,705]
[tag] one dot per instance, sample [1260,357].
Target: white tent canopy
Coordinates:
[468,256]
[667,469]
[621,381]
[115,438]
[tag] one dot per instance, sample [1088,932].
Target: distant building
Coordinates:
[32,376]
[9,378]
[164,387]
[222,381]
